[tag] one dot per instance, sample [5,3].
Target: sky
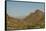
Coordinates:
[21,9]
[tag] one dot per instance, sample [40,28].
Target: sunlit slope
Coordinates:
[34,20]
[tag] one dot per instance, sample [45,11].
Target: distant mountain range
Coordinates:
[32,21]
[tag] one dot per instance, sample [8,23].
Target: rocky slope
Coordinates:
[34,20]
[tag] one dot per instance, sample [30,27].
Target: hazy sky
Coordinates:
[17,9]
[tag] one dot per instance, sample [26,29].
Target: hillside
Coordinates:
[34,20]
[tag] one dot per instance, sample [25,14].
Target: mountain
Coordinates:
[34,20]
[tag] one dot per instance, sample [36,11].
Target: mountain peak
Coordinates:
[38,11]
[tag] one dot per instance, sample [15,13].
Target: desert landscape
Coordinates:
[34,20]
[22,15]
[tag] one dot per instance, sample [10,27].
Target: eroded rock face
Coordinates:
[34,20]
